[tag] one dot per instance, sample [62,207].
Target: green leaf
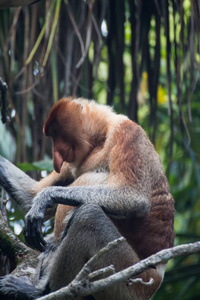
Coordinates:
[37,166]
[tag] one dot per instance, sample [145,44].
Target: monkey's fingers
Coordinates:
[33,234]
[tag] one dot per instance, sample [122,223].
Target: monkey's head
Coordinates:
[76,126]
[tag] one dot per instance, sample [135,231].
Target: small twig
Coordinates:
[29,89]
[78,34]
[88,36]
[3,89]
[103,271]
[86,270]
[3,202]
[81,281]
[131,281]
[84,287]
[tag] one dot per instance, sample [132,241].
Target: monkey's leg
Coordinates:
[89,231]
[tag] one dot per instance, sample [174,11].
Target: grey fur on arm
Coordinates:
[17,184]
[129,203]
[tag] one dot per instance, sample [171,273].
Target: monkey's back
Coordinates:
[153,232]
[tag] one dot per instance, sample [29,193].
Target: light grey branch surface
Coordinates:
[82,286]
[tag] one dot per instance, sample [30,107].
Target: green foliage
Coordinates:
[44,165]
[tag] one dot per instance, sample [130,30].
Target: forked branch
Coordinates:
[81,285]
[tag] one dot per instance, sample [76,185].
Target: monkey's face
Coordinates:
[62,151]
[65,126]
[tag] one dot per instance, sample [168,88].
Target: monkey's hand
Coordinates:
[34,219]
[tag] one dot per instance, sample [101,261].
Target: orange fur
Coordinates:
[89,137]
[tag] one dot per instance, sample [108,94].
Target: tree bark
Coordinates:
[81,285]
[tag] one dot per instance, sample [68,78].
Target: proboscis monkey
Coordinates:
[109,180]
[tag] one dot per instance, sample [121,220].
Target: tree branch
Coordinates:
[3,101]
[24,257]
[81,286]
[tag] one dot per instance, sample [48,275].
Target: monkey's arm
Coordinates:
[23,188]
[17,184]
[121,202]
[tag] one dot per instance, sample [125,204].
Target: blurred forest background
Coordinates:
[142,58]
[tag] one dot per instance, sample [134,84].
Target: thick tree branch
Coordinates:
[81,286]
[24,257]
